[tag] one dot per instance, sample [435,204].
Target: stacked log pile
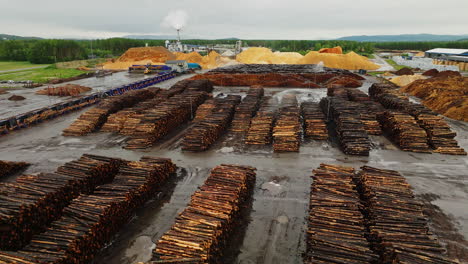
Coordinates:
[441,137]
[336,227]
[169,115]
[11,167]
[353,137]
[368,110]
[399,230]
[287,129]
[94,118]
[246,110]
[261,126]
[204,133]
[33,201]
[204,110]
[315,125]
[201,233]
[90,221]
[405,132]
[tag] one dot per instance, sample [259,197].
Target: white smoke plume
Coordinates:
[176,19]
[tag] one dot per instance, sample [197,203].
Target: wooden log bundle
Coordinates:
[315,125]
[201,233]
[204,110]
[11,167]
[441,137]
[405,132]
[28,205]
[352,134]
[204,133]
[94,118]
[287,129]
[336,227]
[261,128]
[246,110]
[169,115]
[90,221]
[399,230]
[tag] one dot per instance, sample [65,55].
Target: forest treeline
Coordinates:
[56,50]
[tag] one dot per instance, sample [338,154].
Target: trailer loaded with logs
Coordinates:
[8,168]
[205,132]
[336,227]
[201,233]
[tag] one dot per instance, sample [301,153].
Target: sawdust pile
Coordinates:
[349,61]
[266,56]
[16,98]
[192,57]
[431,72]
[404,71]
[335,50]
[445,95]
[406,79]
[448,74]
[144,55]
[66,90]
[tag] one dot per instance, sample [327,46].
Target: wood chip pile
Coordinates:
[315,125]
[91,221]
[33,201]
[205,132]
[246,110]
[398,228]
[201,233]
[287,129]
[8,168]
[94,118]
[158,122]
[405,131]
[352,134]
[336,227]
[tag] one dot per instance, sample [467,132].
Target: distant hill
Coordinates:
[405,37]
[12,37]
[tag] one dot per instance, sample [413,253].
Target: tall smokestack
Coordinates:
[178,34]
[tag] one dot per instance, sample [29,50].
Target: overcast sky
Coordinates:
[248,19]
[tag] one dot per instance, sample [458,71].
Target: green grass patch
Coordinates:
[395,65]
[40,75]
[375,73]
[15,65]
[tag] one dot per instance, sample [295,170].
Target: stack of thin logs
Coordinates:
[115,122]
[287,130]
[398,228]
[315,125]
[353,137]
[28,205]
[94,118]
[202,231]
[169,115]
[11,167]
[90,221]
[261,126]
[204,110]
[246,110]
[368,110]
[336,227]
[441,138]
[205,132]
[405,132]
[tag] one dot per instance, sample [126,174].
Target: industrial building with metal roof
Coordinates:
[440,52]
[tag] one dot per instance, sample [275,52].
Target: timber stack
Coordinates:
[205,132]
[336,227]
[405,131]
[368,110]
[390,203]
[8,168]
[33,201]
[353,137]
[441,137]
[201,233]
[94,118]
[204,110]
[287,130]
[169,115]
[90,221]
[261,126]
[246,110]
[315,125]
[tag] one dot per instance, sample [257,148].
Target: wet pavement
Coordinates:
[276,224]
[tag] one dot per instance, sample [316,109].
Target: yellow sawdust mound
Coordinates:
[349,61]
[143,55]
[406,79]
[420,54]
[335,50]
[192,57]
[266,56]
[445,95]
